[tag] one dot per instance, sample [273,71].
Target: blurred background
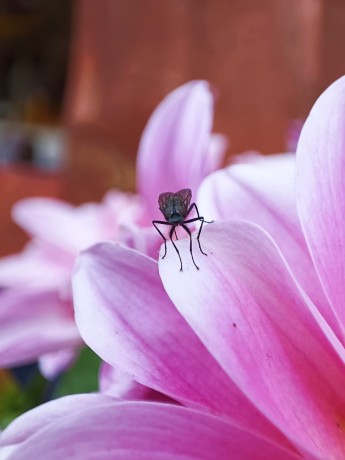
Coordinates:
[79,79]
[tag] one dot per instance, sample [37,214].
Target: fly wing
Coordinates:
[175,202]
[185,195]
[164,198]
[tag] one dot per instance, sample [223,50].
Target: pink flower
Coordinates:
[36,314]
[254,362]
[96,426]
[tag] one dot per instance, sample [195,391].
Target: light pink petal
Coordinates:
[32,324]
[26,425]
[262,190]
[146,431]
[68,227]
[34,267]
[52,364]
[6,451]
[293,133]
[247,309]
[321,191]
[219,144]
[125,316]
[175,144]
[122,208]
[264,187]
[144,239]
[116,383]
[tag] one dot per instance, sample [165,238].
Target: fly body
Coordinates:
[175,208]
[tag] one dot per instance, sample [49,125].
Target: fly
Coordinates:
[175,208]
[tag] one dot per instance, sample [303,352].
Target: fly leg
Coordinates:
[178,252]
[202,220]
[162,222]
[190,244]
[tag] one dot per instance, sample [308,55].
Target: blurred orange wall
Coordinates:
[269,60]
[19,182]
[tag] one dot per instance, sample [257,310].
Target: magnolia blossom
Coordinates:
[250,347]
[36,313]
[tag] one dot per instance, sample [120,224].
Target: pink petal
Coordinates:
[125,316]
[266,181]
[146,431]
[174,148]
[262,190]
[52,364]
[293,132]
[321,192]
[122,208]
[32,324]
[216,152]
[250,313]
[116,383]
[34,267]
[144,239]
[25,426]
[60,224]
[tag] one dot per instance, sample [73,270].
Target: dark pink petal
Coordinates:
[125,316]
[175,144]
[262,190]
[32,324]
[321,191]
[146,431]
[253,317]
[42,416]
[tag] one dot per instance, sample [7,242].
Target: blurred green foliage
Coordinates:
[82,377]
[16,398]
